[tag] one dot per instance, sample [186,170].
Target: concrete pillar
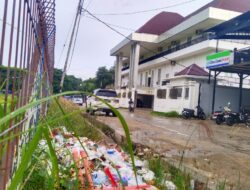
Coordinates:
[134,64]
[118,65]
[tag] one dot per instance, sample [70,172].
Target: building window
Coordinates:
[141,76]
[119,95]
[175,93]
[124,94]
[161,93]
[179,92]
[189,39]
[146,78]
[159,77]
[186,93]
[165,82]
[129,94]
[152,78]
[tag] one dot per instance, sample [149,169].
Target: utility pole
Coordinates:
[78,15]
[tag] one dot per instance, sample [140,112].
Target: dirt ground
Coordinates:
[220,150]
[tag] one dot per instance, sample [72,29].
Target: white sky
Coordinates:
[94,39]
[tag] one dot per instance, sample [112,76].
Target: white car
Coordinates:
[94,104]
[77,99]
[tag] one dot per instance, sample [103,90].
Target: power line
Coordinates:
[90,2]
[73,51]
[78,16]
[121,34]
[67,37]
[143,11]
[117,26]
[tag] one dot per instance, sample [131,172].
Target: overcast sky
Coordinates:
[95,40]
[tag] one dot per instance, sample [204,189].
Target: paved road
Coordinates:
[221,150]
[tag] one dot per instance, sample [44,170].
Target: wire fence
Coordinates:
[27,41]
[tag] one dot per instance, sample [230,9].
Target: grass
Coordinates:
[163,171]
[2,104]
[78,122]
[60,113]
[166,114]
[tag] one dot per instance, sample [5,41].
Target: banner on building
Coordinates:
[220,59]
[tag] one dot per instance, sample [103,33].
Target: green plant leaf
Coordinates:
[53,157]
[26,157]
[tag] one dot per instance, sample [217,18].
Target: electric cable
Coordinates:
[121,34]
[143,11]
[64,45]
[117,26]
[74,44]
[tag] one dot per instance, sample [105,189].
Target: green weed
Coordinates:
[166,114]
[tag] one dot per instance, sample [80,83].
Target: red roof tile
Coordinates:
[193,70]
[161,23]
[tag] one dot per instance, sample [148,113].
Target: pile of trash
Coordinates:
[101,165]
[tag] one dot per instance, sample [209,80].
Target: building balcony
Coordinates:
[175,49]
[172,50]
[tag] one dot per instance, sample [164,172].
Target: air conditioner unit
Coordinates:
[198,31]
[172,62]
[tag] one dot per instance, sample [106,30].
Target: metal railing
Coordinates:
[26,70]
[172,50]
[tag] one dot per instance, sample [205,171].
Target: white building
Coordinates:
[162,64]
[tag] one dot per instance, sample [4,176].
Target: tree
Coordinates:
[104,77]
[71,83]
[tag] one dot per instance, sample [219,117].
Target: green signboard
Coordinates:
[219,59]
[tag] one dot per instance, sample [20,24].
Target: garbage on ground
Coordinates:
[170,185]
[103,165]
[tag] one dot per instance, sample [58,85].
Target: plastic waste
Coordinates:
[149,176]
[99,177]
[170,185]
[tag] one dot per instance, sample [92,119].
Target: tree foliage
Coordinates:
[104,78]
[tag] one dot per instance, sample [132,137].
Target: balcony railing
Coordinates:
[177,48]
[172,50]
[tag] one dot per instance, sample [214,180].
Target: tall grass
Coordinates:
[42,132]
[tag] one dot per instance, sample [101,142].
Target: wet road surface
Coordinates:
[224,151]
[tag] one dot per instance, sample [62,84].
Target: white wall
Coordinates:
[168,104]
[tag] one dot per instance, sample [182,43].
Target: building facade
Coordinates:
[163,64]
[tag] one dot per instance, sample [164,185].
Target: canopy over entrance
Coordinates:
[237,61]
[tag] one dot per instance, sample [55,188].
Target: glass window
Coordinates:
[186,93]
[175,93]
[124,94]
[106,93]
[179,92]
[141,75]
[159,77]
[161,93]
[129,94]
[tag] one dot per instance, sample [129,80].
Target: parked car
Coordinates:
[77,99]
[94,104]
